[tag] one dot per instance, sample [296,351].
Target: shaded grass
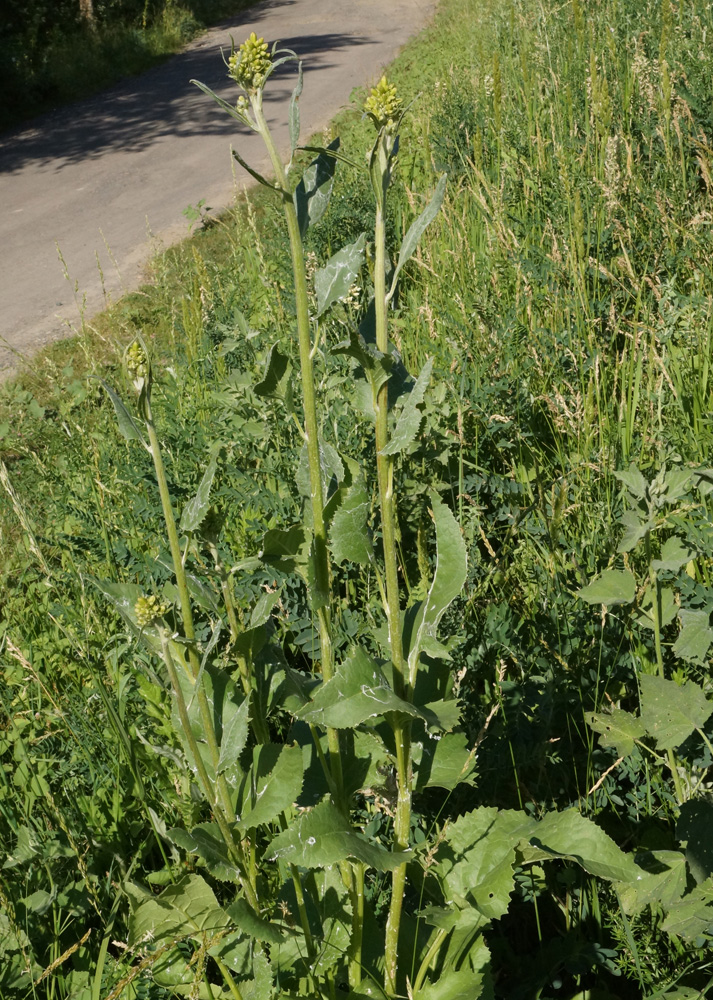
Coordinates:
[41,72]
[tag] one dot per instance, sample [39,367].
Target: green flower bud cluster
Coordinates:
[137,363]
[249,65]
[148,610]
[383,104]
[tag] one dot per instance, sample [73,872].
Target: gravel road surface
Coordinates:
[106,179]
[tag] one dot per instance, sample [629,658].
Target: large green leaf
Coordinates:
[634,482]
[207,843]
[482,855]
[614,586]
[695,637]
[244,917]
[418,228]
[197,507]
[670,711]
[443,762]
[694,827]
[662,882]
[128,427]
[674,554]
[187,909]
[234,737]
[333,281]
[358,691]
[228,719]
[349,535]
[618,729]
[462,985]
[448,581]
[322,836]
[276,372]
[331,469]
[692,917]
[409,420]
[273,783]
[570,835]
[314,190]
[635,527]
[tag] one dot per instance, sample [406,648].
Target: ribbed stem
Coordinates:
[202,774]
[320,551]
[186,610]
[401,727]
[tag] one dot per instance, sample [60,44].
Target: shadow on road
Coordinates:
[139,111]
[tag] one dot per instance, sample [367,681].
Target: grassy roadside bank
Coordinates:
[49,56]
[565,294]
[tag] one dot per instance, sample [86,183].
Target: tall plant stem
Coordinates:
[202,774]
[218,796]
[322,588]
[401,726]
[656,613]
[186,609]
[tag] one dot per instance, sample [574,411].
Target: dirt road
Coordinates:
[106,180]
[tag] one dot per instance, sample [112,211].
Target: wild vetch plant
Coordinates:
[312,871]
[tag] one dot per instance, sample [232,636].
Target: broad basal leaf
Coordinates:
[234,737]
[272,785]
[322,836]
[661,883]
[187,909]
[244,917]
[691,918]
[674,554]
[443,762]
[635,527]
[479,864]
[570,835]
[618,729]
[331,468]
[333,281]
[695,637]
[462,985]
[614,586]
[670,711]
[634,482]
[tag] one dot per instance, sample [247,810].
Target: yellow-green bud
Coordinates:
[137,363]
[249,65]
[148,610]
[383,104]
